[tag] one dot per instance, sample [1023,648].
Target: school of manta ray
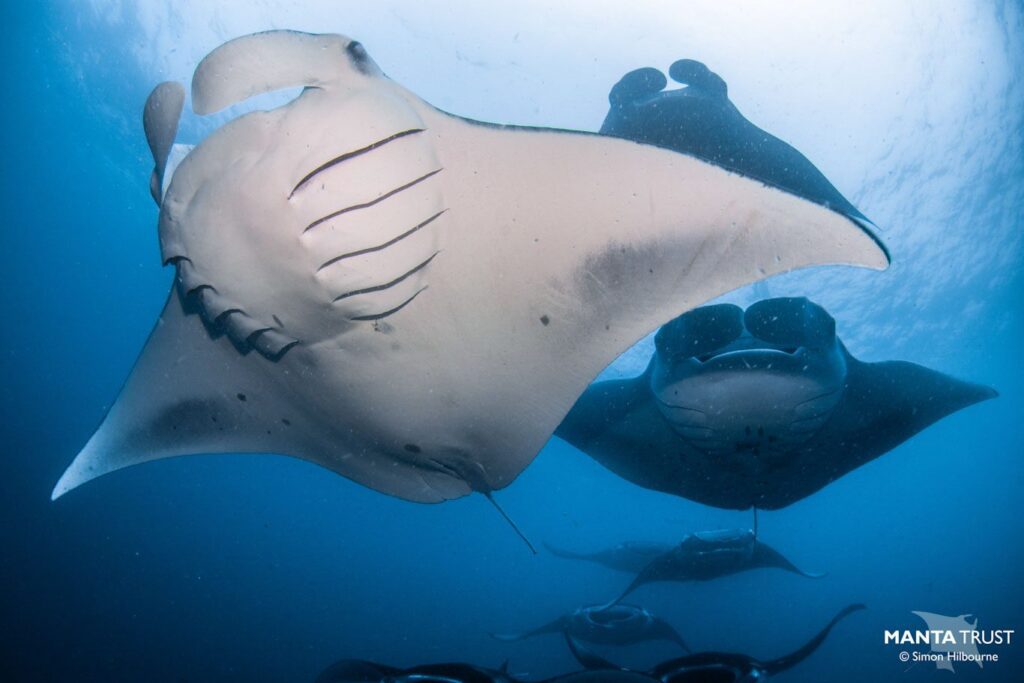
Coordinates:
[419,301]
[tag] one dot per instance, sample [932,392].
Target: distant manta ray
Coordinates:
[604,625]
[756,408]
[706,667]
[709,667]
[708,555]
[408,298]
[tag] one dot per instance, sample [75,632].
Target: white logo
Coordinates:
[949,639]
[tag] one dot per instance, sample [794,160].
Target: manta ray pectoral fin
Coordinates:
[766,556]
[554,626]
[668,632]
[356,671]
[792,659]
[587,658]
[189,393]
[886,403]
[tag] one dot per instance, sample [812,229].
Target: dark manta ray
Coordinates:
[359,671]
[703,667]
[708,555]
[709,667]
[758,408]
[629,556]
[700,120]
[603,625]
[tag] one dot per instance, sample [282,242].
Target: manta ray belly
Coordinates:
[756,405]
[613,624]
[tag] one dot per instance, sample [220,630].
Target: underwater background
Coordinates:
[264,568]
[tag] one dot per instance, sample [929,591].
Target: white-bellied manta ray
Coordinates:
[618,624]
[756,408]
[412,299]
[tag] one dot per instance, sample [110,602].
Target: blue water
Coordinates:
[261,568]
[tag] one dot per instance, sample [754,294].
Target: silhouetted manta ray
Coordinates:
[360,671]
[715,667]
[758,408]
[629,556]
[408,298]
[604,625]
[711,667]
[708,555]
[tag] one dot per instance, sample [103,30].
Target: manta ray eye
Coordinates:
[700,332]
[358,53]
[791,322]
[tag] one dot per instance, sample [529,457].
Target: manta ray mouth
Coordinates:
[761,351]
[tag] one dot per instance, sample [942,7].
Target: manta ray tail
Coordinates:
[510,522]
[668,632]
[792,659]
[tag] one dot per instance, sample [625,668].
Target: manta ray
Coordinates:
[604,625]
[757,408]
[361,671]
[716,667]
[412,299]
[708,555]
[629,556]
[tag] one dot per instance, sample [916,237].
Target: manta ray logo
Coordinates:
[949,640]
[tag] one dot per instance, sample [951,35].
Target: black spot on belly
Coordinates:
[413,448]
[241,397]
[545,320]
[286,422]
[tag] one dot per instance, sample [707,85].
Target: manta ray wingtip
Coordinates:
[872,230]
[85,467]
[71,479]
